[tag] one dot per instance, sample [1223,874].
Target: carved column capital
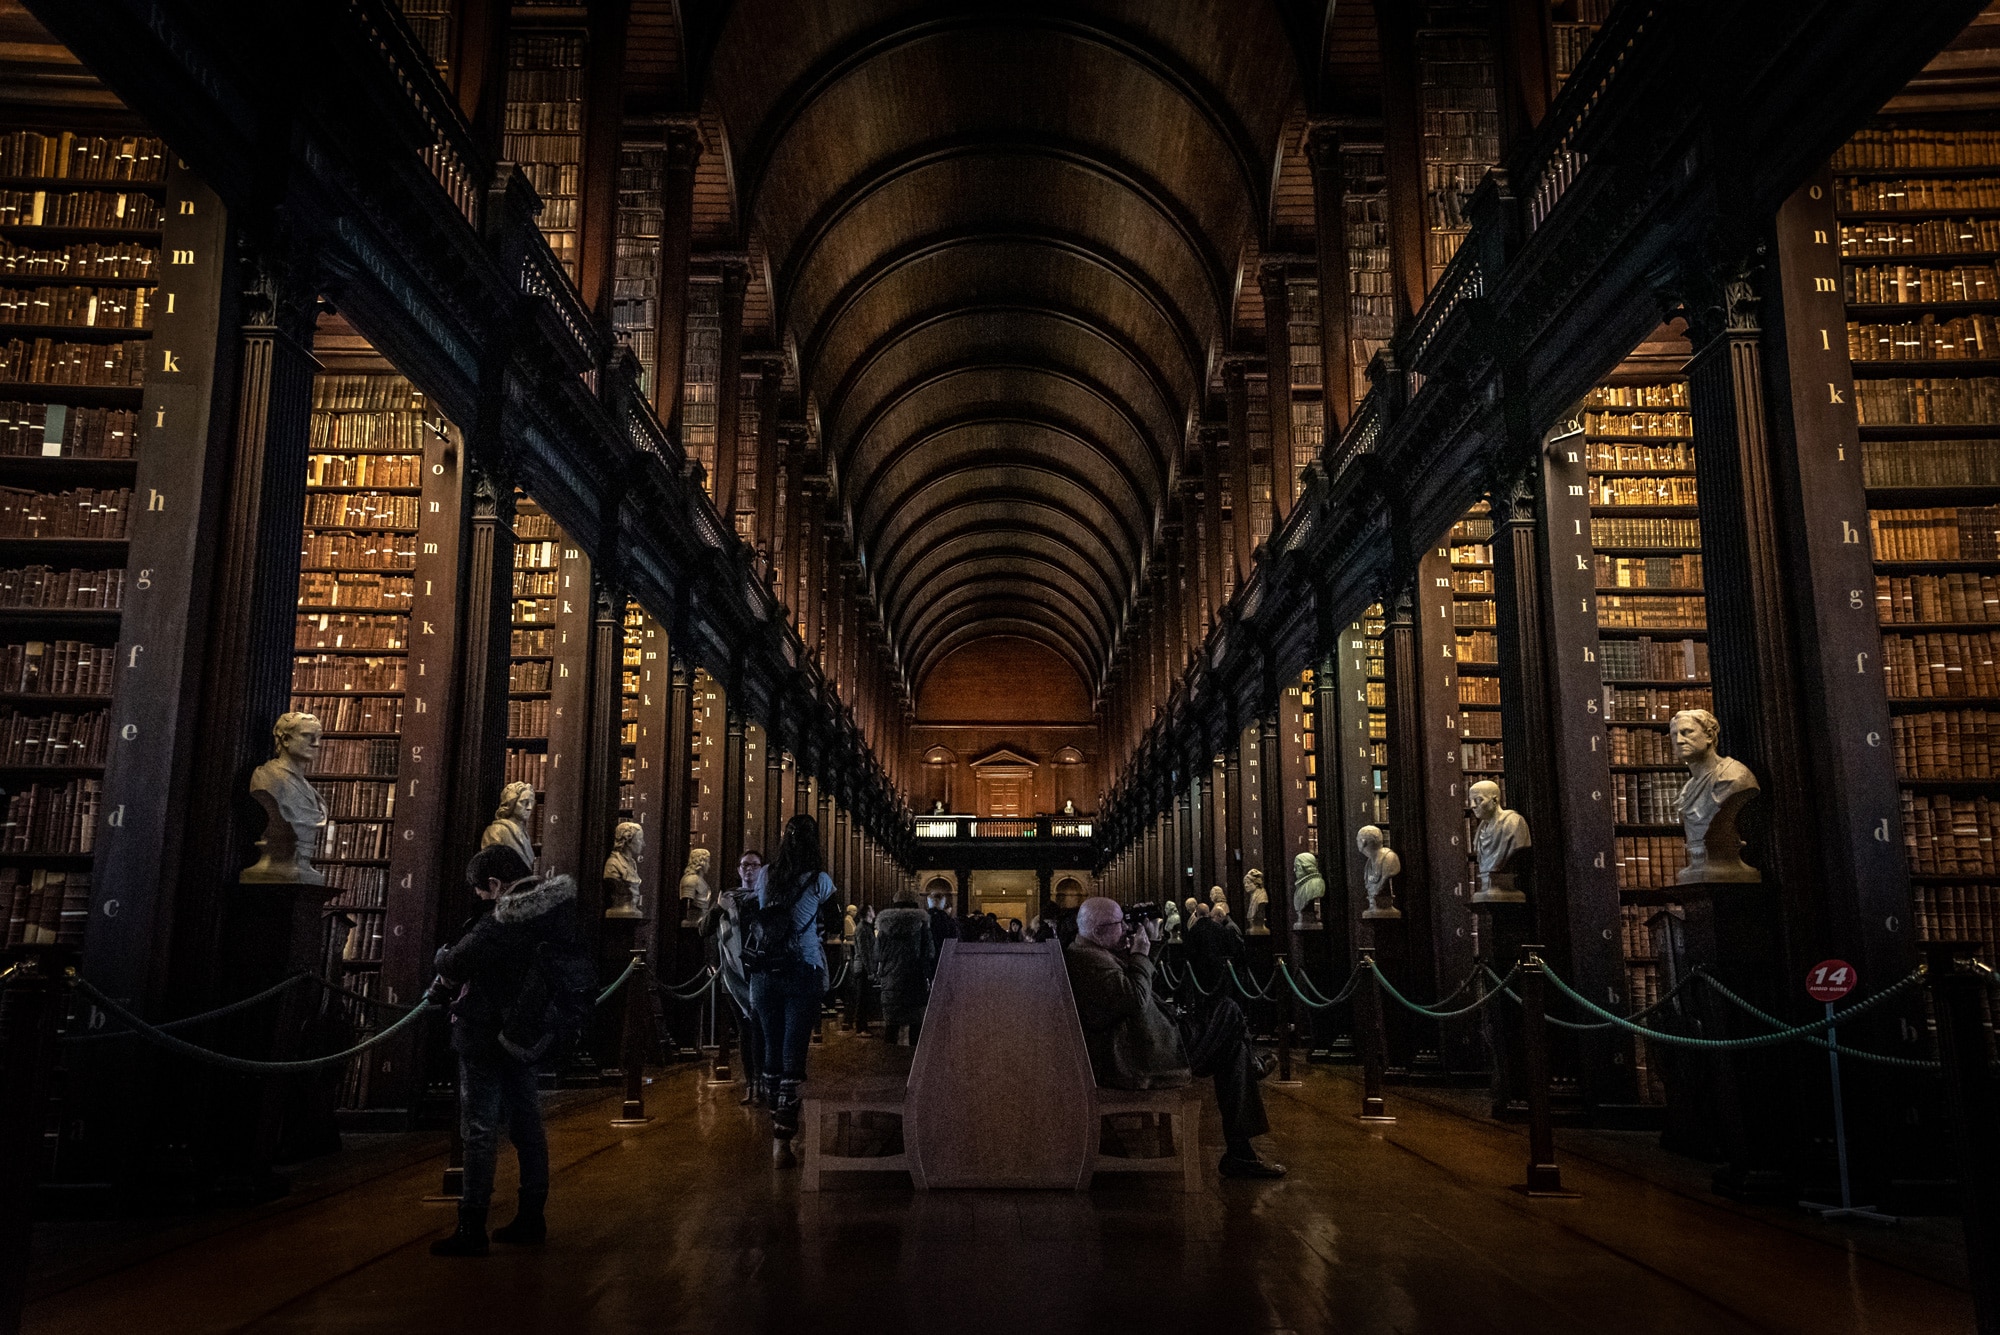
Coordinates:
[1717,297]
[280,288]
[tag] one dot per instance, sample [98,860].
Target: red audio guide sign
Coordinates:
[1830,980]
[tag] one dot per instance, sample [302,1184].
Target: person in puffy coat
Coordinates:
[903,956]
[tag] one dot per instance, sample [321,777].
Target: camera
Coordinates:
[1144,913]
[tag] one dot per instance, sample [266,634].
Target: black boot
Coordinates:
[530,1227]
[469,1240]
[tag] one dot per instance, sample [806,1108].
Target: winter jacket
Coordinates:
[525,974]
[1209,946]
[724,924]
[1133,1043]
[903,958]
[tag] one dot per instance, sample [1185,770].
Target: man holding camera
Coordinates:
[1135,1044]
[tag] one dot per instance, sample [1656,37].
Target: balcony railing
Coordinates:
[1004,827]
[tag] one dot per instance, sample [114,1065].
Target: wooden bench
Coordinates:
[1000,1092]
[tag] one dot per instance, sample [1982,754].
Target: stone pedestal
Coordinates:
[1389,938]
[1503,929]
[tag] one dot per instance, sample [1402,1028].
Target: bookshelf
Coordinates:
[1919,216]
[1371,297]
[1476,656]
[544,128]
[1652,642]
[635,292]
[532,655]
[77,267]
[1307,388]
[1376,807]
[430,23]
[632,659]
[704,362]
[1461,121]
[1573,25]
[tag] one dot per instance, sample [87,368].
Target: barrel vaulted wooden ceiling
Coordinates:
[1009,244]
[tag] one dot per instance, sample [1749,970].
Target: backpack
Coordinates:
[771,937]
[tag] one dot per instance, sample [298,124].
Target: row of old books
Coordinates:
[78,259]
[340,672]
[1617,611]
[365,470]
[44,430]
[1935,236]
[72,307]
[1639,746]
[1646,798]
[1947,744]
[1941,665]
[1945,533]
[527,718]
[1648,572]
[1919,146]
[1958,595]
[357,885]
[1638,423]
[1942,401]
[1647,659]
[1482,756]
[1645,533]
[1929,339]
[45,361]
[378,549]
[345,840]
[1630,456]
[528,676]
[1473,612]
[1653,704]
[530,643]
[1472,581]
[364,431]
[389,397]
[1910,194]
[73,590]
[1949,836]
[1931,463]
[351,630]
[52,817]
[1649,861]
[530,767]
[1642,490]
[353,713]
[53,738]
[56,667]
[344,588]
[85,512]
[99,210]
[361,509]
[1658,394]
[534,611]
[65,154]
[535,583]
[1479,722]
[41,907]
[1481,646]
[357,799]
[1471,690]
[357,755]
[1959,913]
[1901,284]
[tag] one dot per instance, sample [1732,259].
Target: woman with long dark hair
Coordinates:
[787,969]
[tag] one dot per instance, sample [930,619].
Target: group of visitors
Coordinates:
[520,978]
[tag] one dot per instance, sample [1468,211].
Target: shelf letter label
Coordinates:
[1848,533]
[154,500]
[1833,394]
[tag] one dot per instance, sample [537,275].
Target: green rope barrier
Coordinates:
[1325,1002]
[708,978]
[1559,1023]
[631,967]
[1910,1063]
[162,1039]
[1426,1011]
[1248,993]
[190,1021]
[1732,1044]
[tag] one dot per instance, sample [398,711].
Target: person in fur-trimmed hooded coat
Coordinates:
[521,982]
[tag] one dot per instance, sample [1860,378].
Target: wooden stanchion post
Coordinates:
[1374,1041]
[1282,995]
[632,1050]
[1972,1096]
[31,1007]
[725,1029]
[1544,1174]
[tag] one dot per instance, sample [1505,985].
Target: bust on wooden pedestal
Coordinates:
[510,821]
[1502,845]
[622,896]
[1381,867]
[1308,890]
[1711,801]
[293,812]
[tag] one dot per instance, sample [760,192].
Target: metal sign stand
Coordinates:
[1847,1209]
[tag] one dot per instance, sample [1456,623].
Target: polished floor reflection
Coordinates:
[681,1226]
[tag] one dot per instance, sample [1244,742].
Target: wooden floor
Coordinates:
[682,1226]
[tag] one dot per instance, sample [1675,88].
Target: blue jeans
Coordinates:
[490,1088]
[787,1004]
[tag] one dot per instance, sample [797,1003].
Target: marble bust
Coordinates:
[510,821]
[694,891]
[621,872]
[1259,901]
[1308,890]
[1380,868]
[1216,896]
[1498,843]
[293,812]
[1711,800]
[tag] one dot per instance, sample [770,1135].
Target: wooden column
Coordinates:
[683,144]
[479,758]
[1278,387]
[729,391]
[659,874]
[1236,383]
[247,676]
[1277,857]
[1403,153]
[1215,555]
[1526,68]
[1207,869]
[1354,791]
[1558,771]
[603,126]
[1190,573]
[676,828]
[1234,824]
[774,792]
[479,69]
[732,797]
[564,814]
[1330,247]
[770,370]
[602,750]
[792,555]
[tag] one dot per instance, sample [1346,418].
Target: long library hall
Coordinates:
[1074,666]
